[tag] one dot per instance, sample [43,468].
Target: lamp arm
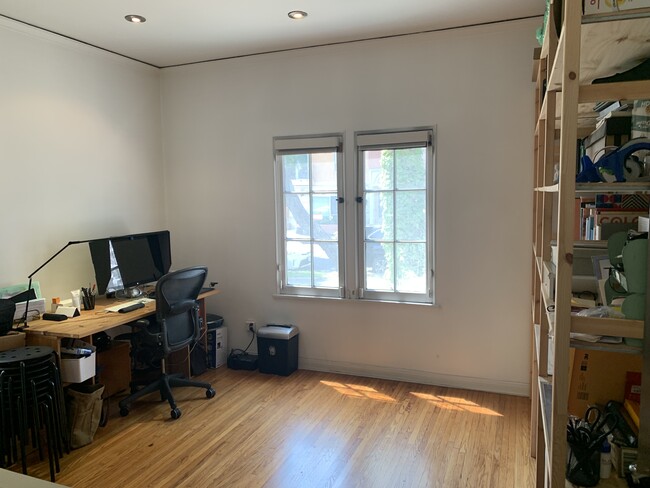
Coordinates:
[29,286]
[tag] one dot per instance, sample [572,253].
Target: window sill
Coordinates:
[357,300]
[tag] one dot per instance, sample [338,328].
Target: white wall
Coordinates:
[475,86]
[80,154]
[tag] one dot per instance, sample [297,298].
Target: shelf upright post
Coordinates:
[571,21]
[643,454]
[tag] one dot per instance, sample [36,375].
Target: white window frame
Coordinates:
[307,145]
[397,139]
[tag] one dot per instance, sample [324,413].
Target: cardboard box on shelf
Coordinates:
[12,340]
[598,377]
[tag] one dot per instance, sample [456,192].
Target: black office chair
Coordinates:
[177,326]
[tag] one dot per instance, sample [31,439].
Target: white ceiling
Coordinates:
[181,32]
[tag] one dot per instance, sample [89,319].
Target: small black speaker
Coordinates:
[7,311]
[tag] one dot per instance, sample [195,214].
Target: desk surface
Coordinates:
[93,321]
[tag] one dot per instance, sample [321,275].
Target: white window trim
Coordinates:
[296,145]
[369,140]
[351,218]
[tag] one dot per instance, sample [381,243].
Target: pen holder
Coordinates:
[89,302]
[583,465]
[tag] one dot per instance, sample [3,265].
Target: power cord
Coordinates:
[243,352]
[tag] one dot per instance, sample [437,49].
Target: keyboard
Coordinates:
[116,308]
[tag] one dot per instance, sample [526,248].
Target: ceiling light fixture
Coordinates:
[136,19]
[297,14]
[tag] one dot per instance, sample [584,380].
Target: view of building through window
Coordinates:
[311,219]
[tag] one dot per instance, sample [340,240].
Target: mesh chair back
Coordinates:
[177,309]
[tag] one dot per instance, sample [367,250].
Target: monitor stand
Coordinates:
[131,292]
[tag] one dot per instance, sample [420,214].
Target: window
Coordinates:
[395,182]
[390,251]
[308,178]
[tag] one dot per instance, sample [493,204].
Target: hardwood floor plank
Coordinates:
[308,430]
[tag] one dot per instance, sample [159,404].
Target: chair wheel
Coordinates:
[210,392]
[124,411]
[176,413]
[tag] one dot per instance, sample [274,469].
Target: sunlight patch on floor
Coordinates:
[358,391]
[455,404]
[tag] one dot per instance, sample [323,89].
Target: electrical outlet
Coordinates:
[250,325]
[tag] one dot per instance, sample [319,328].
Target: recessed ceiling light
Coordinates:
[297,14]
[136,19]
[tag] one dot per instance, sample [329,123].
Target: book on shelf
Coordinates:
[601,223]
[581,209]
[616,200]
[607,110]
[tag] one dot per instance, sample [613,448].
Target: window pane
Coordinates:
[378,215]
[324,177]
[325,216]
[326,264]
[379,266]
[297,216]
[298,263]
[411,213]
[411,268]
[411,168]
[378,170]
[295,172]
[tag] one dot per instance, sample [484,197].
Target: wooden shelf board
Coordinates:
[600,346]
[606,326]
[548,189]
[623,187]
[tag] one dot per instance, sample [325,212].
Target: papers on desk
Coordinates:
[116,308]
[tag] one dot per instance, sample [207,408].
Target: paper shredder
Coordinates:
[277,349]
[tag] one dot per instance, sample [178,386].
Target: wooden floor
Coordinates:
[309,430]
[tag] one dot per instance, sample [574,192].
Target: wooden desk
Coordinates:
[48,333]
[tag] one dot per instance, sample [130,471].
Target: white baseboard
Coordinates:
[416,376]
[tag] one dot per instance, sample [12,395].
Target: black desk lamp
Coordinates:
[29,287]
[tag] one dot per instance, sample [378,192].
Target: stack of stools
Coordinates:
[31,404]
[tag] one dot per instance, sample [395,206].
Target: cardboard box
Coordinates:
[598,377]
[608,6]
[217,347]
[77,370]
[114,368]
[12,340]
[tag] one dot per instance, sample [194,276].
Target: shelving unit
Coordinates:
[585,49]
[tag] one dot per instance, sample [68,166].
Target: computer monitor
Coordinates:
[124,263]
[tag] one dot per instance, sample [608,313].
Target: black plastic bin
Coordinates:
[277,349]
[213,320]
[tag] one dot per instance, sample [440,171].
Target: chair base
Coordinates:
[164,384]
